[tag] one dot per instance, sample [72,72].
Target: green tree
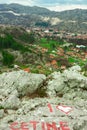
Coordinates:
[8,58]
[9,42]
[32,37]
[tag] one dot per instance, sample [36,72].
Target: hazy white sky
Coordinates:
[56,5]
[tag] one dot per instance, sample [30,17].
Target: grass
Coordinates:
[48,44]
[77,61]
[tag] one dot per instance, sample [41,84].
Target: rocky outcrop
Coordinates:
[14,85]
[37,110]
[70,84]
[67,90]
[21,81]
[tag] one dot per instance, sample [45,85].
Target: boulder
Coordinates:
[71,83]
[25,83]
[16,84]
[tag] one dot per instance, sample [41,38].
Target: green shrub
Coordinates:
[9,42]
[71,60]
[1,107]
[8,58]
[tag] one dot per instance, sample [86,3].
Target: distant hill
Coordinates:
[71,20]
[17,8]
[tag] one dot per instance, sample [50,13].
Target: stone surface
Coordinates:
[71,83]
[1,113]
[37,110]
[67,89]
[22,81]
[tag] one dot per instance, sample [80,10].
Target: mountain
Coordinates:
[17,8]
[71,20]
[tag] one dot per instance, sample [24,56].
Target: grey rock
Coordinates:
[1,113]
[17,106]
[25,83]
[12,102]
[71,83]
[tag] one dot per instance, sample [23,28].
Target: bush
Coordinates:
[8,58]
[9,42]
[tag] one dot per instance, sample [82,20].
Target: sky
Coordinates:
[56,5]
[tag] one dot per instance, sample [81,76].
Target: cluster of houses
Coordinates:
[56,33]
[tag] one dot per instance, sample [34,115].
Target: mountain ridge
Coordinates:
[36,16]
